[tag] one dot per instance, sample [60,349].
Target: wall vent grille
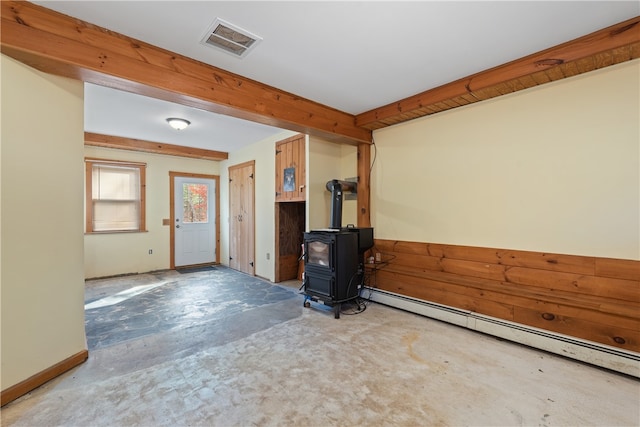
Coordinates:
[230,38]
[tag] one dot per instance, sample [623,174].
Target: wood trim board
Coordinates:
[12,393]
[608,46]
[131,144]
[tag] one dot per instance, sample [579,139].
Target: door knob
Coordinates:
[178,226]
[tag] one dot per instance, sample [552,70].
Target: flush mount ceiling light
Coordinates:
[178,124]
[230,38]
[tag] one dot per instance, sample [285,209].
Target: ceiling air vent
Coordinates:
[231,39]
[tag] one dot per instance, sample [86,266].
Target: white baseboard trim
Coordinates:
[597,354]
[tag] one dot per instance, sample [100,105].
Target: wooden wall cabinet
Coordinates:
[290,205]
[290,169]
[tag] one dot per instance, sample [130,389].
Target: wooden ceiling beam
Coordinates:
[58,44]
[120,143]
[624,36]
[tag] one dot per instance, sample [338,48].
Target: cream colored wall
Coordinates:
[349,169]
[550,169]
[324,165]
[263,153]
[42,262]
[122,253]
[325,161]
[328,161]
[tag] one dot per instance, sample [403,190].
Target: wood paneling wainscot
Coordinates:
[596,299]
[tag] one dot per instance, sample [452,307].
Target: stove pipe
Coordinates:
[336,187]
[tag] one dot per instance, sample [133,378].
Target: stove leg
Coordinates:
[336,310]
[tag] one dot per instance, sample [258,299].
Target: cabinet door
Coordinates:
[290,169]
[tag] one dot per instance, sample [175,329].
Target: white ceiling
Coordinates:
[113,112]
[352,56]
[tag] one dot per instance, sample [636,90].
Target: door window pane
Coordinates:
[195,205]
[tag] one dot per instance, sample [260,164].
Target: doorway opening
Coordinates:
[290,227]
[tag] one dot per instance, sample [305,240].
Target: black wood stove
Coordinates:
[334,256]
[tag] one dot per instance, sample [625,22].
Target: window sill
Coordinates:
[88,233]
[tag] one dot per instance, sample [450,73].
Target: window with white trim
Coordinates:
[115,196]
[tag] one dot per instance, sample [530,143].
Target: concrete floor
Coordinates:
[219,348]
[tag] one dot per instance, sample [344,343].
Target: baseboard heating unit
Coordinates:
[601,355]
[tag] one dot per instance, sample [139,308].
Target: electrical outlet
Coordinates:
[268,255]
[150,251]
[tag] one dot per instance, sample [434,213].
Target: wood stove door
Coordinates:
[319,285]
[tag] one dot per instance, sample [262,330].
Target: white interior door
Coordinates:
[194,220]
